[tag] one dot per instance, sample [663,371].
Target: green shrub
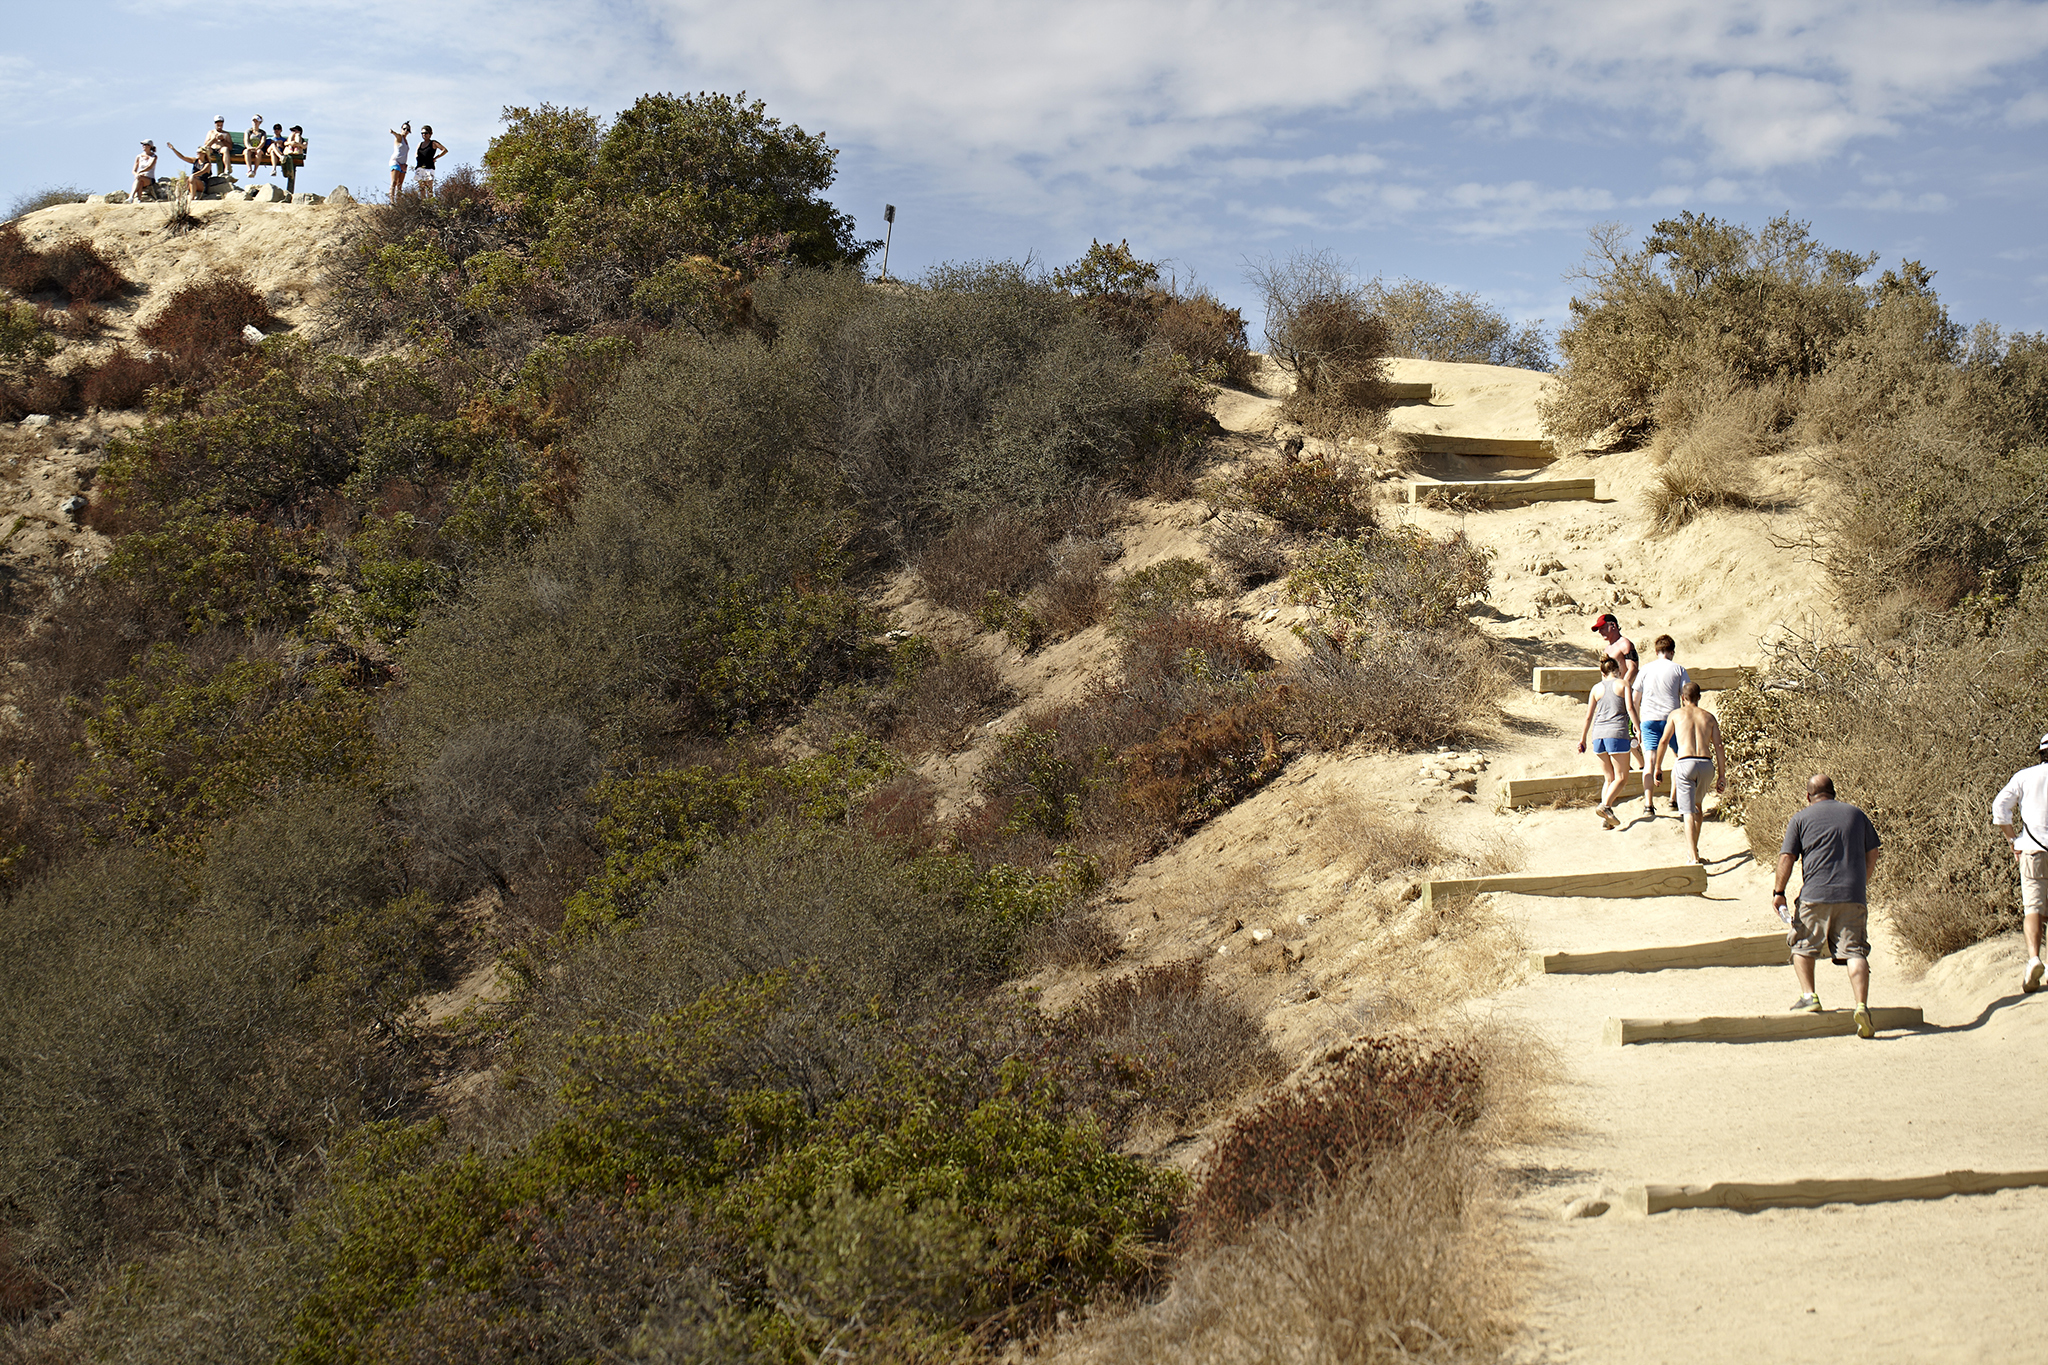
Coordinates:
[732,1140]
[1306,494]
[1921,733]
[183,742]
[1399,578]
[1167,588]
[173,1057]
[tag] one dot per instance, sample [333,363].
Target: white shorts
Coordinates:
[2033,883]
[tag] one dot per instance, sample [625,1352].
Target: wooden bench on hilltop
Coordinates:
[291,163]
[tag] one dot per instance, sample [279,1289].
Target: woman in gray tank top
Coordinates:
[1610,718]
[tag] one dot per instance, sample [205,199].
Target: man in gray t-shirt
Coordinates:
[1836,846]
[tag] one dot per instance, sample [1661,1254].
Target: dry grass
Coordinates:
[1408,1256]
[1205,1048]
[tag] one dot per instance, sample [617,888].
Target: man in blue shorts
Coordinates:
[1660,687]
[1836,846]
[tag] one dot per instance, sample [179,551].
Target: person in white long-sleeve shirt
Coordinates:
[2024,800]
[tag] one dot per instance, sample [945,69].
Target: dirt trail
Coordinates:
[1952,1279]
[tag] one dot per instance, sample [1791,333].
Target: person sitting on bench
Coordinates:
[254,144]
[218,145]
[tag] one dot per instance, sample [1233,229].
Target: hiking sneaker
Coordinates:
[2030,975]
[1806,1004]
[1864,1028]
[1607,816]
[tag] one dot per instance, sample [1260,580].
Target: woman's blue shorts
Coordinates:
[1611,746]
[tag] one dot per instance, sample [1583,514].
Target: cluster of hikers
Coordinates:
[271,149]
[1654,708]
[278,149]
[1647,709]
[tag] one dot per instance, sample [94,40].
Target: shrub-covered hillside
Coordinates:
[529,621]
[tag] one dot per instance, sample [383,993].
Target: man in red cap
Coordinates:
[1620,648]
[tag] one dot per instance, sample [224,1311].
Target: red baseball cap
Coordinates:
[1604,619]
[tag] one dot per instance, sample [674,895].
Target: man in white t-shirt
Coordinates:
[2025,800]
[1660,689]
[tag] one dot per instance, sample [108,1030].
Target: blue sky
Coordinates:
[1473,145]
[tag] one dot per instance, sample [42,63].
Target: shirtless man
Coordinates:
[217,146]
[1691,732]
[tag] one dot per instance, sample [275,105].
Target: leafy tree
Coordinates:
[1700,309]
[732,172]
[546,155]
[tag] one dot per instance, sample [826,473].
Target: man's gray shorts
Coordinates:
[1689,783]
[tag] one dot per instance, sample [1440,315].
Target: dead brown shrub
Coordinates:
[942,700]
[1204,1048]
[201,326]
[1212,336]
[1407,1259]
[1358,1100]
[1249,547]
[122,380]
[1392,691]
[1002,552]
[73,268]
[1711,464]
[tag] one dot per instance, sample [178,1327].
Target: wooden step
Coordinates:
[1688,879]
[1504,490]
[1808,1194]
[1751,1028]
[1541,791]
[1750,950]
[1580,680]
[1408,390]
[1443,443]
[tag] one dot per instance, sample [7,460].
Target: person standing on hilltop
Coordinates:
[423,179]
[1691,732]
[1610,707]
[2024,800]
[1837,848]
[1659,688]
[401,144]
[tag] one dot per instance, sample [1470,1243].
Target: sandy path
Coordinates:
[1952,1279]
[1957,1279]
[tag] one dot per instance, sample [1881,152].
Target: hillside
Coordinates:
[634,767]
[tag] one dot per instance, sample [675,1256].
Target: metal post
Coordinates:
[889,217]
